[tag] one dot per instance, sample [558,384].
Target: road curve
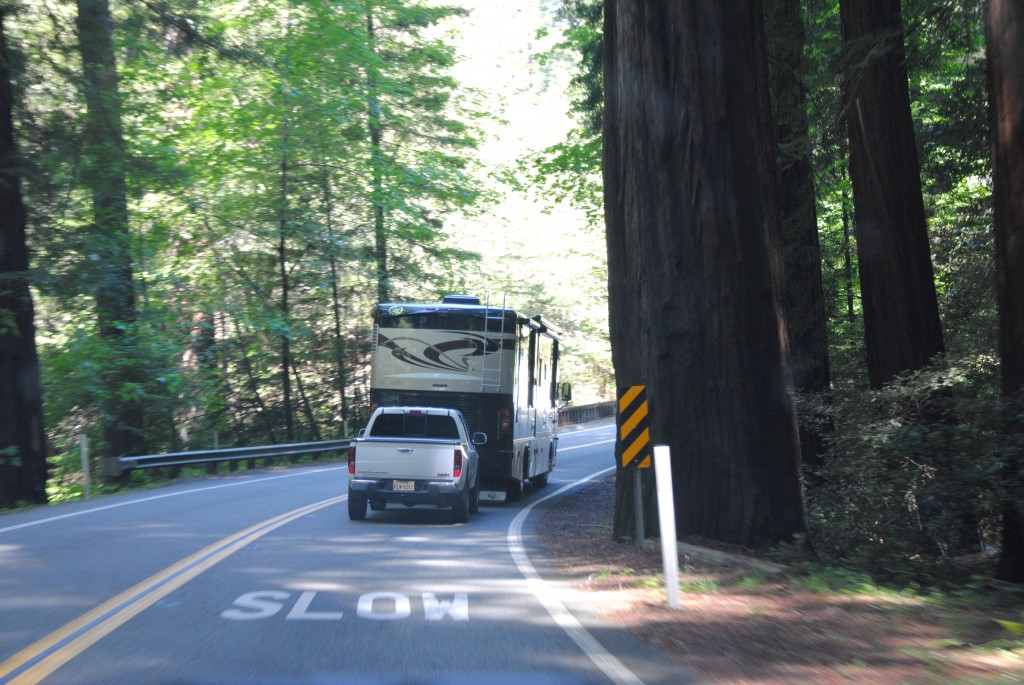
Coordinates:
[261,578]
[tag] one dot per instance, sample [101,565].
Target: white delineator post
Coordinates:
[667,519]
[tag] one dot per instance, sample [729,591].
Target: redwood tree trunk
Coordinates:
[695,260]
[1004,31]
[625,319]
[902,331]
[807,323]
[104,172]
[22,438]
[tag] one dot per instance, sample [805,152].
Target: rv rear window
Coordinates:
[447,321]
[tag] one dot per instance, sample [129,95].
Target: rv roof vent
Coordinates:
[460,299]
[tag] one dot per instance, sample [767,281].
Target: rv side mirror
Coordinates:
[566,392]
[479,438]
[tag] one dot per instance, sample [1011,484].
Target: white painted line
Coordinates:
[37,661]
[576,431]
[152,498]
[579,447]
[616,671]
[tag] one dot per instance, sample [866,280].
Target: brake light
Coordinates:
[352,460]
[505,420]
[457,471]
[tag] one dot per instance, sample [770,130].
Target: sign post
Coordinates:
[633,420]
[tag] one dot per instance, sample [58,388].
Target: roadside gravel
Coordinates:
[742,625]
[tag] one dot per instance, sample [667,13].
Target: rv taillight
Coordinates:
[352,460]
[505,420]
[458,463]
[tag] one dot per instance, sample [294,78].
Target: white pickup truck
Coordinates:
[414,455]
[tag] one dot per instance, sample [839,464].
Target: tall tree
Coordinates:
[284,222]
[22,438]
[104,172]
[805,300]
[902,329]
[377,162]
[694,260]
[1004,32]
[418,140]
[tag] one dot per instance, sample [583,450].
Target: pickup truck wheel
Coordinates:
[540,481]
[460,509]
[356,506]
[474,498]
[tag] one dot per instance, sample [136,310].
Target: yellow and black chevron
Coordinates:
[634,427]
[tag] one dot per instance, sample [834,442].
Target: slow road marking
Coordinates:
[39,660]
[374,606]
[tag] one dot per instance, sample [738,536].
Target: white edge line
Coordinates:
[61,517]
[589,444]
[602,658]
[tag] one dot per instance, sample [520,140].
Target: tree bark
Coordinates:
[695,260]
[284,217]
[104,173]
[1004,32]
[23,470]
[375,127]
[806,320]
[902,330]
[286,344]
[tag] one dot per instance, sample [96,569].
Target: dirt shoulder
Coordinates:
[742,626]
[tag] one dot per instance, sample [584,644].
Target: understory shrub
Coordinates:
[913,475]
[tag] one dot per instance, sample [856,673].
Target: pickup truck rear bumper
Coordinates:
[440,493]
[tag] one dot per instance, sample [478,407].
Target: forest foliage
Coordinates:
[287,161]
[285,164]
[912,474]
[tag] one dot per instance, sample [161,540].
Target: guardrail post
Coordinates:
[83,447]
[213,467]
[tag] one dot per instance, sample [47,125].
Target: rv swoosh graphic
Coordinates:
[450,355]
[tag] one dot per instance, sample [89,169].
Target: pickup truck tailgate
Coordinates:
[420,460]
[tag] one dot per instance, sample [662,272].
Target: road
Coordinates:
[262,579]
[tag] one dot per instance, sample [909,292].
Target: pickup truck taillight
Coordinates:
[505,420]
[352,460]
[457,471]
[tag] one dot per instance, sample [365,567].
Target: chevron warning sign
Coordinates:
[634,428]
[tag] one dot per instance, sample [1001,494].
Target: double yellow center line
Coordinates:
[42,658]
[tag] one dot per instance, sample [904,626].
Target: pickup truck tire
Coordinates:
[356,506]
[474,498]
[540,481]
[460,508]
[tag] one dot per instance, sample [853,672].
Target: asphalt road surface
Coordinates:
[261,578]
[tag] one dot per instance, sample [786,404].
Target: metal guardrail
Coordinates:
[586,412]
[119,465]
[231,454]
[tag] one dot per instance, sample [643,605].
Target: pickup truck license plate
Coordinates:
[404,485]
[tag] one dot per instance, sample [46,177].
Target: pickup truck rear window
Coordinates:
[414,426]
